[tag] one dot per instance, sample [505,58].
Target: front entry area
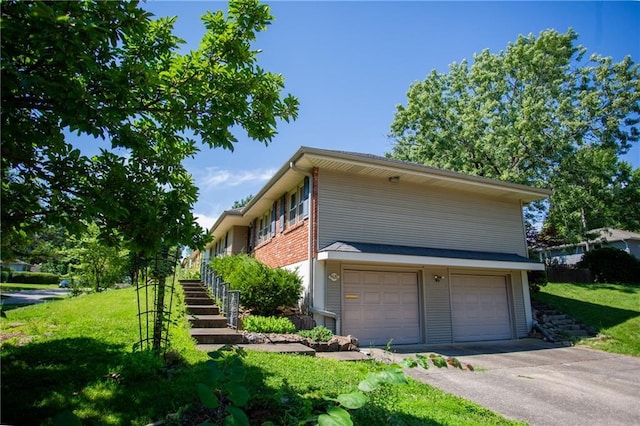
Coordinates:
[480,308]
[380,306]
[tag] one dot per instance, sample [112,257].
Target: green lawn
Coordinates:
[613,309]
[77,355]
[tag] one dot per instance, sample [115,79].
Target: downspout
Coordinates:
[293,167]
[313,309]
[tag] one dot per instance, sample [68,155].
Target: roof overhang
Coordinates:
[403,255]
[306,159]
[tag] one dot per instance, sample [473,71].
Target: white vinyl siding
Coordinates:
[519,308]
[437,308]
[373,210]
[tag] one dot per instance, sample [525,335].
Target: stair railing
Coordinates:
[228,300]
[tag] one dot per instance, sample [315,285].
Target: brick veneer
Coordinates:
[291,245]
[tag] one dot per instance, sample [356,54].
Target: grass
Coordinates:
[613,309]
[77,355]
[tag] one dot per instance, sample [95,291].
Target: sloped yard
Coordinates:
[613,309]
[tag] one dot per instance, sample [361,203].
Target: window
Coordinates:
[299,203]
[264,227]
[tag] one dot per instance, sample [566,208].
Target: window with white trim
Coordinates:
[299,203]
[264,227]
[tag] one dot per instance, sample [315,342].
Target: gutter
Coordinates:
[292,166]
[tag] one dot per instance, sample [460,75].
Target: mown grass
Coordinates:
[613,309]
[77,355]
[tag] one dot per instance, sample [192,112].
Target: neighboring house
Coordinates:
[392,250]
[570,254]
[16,265]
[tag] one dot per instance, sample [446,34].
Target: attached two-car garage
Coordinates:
[380,306]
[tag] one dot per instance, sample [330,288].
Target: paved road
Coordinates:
[25,297]
[540,383]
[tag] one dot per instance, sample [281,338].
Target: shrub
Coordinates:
[537,279]
[317,334]
[4,276]
[34,277]
[260,324]
[263,290]
[611,265]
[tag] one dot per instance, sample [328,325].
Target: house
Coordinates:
[392,250]
[571,254]
[16,265]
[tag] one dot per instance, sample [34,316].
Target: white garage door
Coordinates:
[480,308]
[380,306]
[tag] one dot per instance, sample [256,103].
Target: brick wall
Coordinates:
[291,245]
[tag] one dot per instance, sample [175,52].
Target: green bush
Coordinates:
[34,277]
[260,324]
[317,334]
[263,290]
[537,279]
[4,276]
[611,265]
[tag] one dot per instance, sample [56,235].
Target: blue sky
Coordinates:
[351,63]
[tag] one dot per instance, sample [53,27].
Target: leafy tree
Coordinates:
[110,71]
[97,264]
[106,69]
[243,202]
[535,113]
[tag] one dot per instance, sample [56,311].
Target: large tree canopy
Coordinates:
[110,71]
[537,113]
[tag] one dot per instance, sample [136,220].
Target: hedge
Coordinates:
[34,277]
[263,290]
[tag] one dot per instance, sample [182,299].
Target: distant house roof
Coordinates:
[360,251]
[607,234]
[600,235]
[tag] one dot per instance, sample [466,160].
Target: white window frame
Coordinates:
[298,204]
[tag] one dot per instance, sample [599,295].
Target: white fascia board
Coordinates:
[428,260]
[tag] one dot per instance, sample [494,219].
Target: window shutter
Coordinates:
[274,215]
[305,205]
[283,209]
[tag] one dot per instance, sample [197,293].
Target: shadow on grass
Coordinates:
[595,315]
[43,379]
[622,288]
[109,385]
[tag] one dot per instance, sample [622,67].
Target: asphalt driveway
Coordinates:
[538,382]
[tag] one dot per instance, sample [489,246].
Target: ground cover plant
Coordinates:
[613,309]
[77,355]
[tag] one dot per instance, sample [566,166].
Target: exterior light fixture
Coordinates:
[394,179]
[438,278]
[334,277]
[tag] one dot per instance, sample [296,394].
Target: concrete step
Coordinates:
[208,321]
[563,322]
[206,300]
[557,317]
[215,335]
[283,348]
[203,309]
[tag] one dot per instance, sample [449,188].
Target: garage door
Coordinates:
[480,308]
[380,306]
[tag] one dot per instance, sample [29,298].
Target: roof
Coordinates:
[600,235]
[306,159]
[427,255]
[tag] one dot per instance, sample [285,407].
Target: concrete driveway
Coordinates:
[538,382]
[30,297]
